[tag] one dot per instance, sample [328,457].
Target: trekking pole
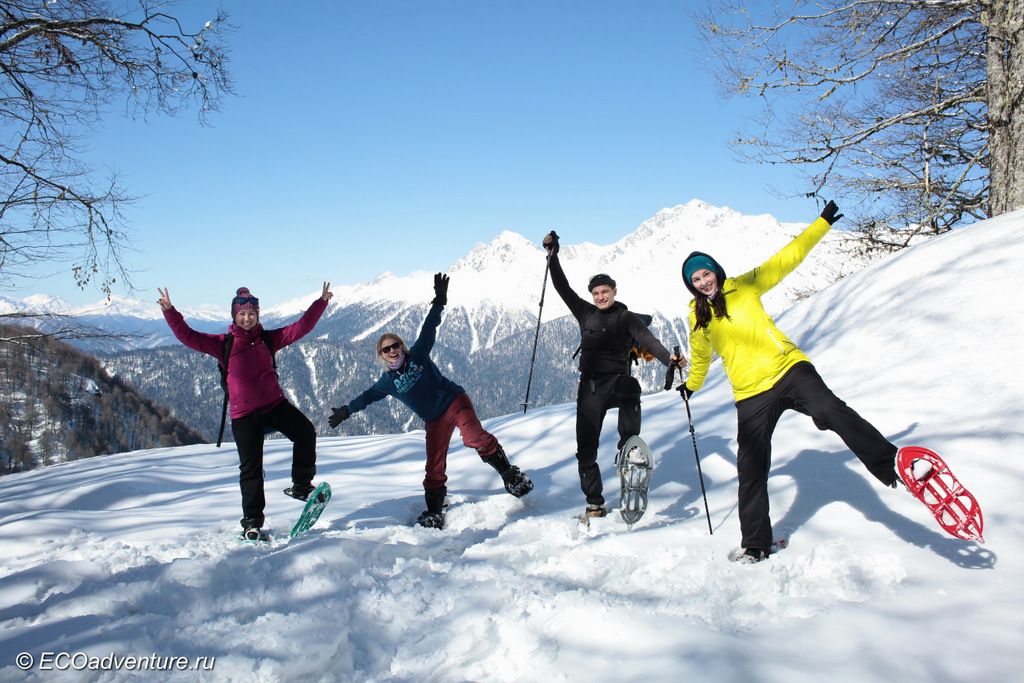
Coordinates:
[536,336]
[693,437]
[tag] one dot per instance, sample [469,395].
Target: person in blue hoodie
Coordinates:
[443,405]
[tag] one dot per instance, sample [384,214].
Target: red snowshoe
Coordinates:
[927,476]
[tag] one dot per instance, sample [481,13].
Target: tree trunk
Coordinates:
[1004,20]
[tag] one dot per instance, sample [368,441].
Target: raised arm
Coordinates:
[300,328]
[786,260]
[428,332]
[577,305]
[212,344]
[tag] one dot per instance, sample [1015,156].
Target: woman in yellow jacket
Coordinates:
[769,375]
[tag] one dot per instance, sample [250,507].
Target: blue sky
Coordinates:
[385,135]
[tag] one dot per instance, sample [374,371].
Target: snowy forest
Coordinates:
[58,404]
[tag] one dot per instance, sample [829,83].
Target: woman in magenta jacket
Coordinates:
[258,404]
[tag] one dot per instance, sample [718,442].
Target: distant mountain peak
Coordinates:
[505,275]
[44,303]
[507,248]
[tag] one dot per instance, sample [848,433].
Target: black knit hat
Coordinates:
[600,279]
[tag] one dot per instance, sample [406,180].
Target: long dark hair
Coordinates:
[706,307]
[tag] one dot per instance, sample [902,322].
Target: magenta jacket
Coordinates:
[252,379]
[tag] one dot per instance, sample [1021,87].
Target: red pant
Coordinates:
[439,435]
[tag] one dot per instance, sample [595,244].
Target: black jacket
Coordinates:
[605,336]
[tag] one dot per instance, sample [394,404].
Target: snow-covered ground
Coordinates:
[133,555]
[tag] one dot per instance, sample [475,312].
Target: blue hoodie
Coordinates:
[418,383]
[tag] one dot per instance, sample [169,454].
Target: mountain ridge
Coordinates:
[486,338]
[507,273]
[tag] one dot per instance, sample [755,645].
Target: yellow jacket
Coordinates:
[755,353]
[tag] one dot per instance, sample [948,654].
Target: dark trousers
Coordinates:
[803,390]
[249,432]
[594,398]
[460,413]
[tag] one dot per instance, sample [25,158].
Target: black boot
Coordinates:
[299,491]
[433,516]
[516,482]
[251,528]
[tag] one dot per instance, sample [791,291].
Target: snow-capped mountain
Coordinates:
[498,283]
[507,274]
[486,339]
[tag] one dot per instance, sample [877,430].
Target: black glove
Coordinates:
[338,415]
[685,392]
[551,242]
[440,289]
[831,212]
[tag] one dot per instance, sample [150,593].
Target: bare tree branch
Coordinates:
[61,65]
[889,103]
[36,330]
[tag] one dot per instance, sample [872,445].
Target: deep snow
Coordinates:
[133,554]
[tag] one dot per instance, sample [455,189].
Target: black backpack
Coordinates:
[222,365]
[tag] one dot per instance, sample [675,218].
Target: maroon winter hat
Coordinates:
[244,301]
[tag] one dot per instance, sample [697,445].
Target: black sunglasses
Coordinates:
[243,300]
[389,348]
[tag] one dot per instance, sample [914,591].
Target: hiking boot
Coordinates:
[430,520]
[299,491]
[752,556]
[636,457]
[515,481]
[498,460]
[434,498]
[595,511]
[251,528]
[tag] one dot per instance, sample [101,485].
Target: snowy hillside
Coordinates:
[132,555]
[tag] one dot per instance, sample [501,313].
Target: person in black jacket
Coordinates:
[608,331]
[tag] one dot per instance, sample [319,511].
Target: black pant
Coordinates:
[249,432]
[593,399]
[803,390]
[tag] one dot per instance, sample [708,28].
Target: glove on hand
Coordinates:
[551,242]
[338,415]
[831,212]
[440,289]
[685,392]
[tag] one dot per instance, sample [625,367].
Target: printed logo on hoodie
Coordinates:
[405,381]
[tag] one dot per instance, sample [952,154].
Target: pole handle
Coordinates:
[670,374]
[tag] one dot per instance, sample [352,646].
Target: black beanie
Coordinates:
[600,279]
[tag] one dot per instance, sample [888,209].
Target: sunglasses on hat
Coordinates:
[243,300]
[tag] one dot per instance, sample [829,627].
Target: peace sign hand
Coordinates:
[327,293]
[165,299]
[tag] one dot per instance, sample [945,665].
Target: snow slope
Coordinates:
[133,555]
